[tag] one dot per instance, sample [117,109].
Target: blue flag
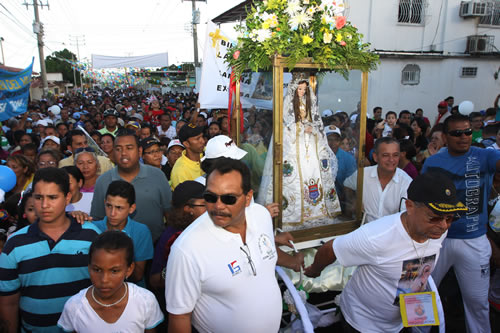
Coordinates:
[14,92]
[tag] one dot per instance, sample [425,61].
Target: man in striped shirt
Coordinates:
[44,264]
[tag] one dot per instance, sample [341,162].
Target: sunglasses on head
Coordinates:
[458,133]
[227,199]
[86,149]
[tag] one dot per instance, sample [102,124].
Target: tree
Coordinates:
[54,64]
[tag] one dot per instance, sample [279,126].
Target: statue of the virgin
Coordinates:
[309,165]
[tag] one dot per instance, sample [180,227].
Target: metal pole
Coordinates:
[74,71]
[195,36]
[39,34]
[1,47]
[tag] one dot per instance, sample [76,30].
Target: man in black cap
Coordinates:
[395,255]
[110,122]
[187,167]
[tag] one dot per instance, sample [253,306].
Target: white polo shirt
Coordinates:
[378,203]
[209,275]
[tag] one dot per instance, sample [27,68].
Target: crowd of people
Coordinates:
[98,232]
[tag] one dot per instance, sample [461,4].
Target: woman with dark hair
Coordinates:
[47,158]
[408,152]
[107,142]
[419,127]
[24,170]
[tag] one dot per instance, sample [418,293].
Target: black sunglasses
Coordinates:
[458,133]
[227,199]
[86,149]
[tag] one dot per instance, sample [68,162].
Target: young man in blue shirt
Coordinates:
[119,204]
[466,247]
[45,263]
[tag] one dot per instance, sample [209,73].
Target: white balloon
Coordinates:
[466,107]
[55,109]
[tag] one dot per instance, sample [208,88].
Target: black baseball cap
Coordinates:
[186,191]
[148,142]
[188,131]
[437,191]
[111,112]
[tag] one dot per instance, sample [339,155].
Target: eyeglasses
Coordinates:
[246,251]
[48,163]
[85,149]
[152,152]
[458,133]
[227,199]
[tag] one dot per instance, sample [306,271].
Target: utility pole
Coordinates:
[38,30]
[1,47]
[195,21]
[76,40]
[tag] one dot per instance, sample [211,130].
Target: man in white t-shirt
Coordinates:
[220,272]
[395,255]
[384,184]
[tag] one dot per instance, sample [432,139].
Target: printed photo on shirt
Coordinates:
[414,275]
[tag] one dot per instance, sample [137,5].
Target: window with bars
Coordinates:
[493,14]
[410,75]
[411,11]
[469,72]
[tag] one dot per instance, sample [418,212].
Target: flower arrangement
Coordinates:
[299,29]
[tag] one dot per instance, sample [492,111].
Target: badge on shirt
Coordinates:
[419,309]
[266,247]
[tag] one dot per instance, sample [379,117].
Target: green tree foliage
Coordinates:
[54,64]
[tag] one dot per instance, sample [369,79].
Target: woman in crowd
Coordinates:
[107,141]
[86,160]
[419,127]
[47,158]
[408,152]
[24,170]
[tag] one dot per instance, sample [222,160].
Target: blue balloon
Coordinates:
[7,178]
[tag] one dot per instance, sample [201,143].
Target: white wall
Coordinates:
[439,78]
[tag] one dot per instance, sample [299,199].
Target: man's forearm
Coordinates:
[9,311]
[179,323]
[324,257]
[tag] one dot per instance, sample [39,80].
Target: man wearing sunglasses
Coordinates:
[220,272]
[394,254]
[467,248]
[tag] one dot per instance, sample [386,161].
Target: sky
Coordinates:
[107,27]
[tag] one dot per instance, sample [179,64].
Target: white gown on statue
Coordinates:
[309,170]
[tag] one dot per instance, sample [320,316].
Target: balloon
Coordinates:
[466,107]
[7,178]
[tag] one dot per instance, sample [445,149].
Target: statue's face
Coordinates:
[301,89]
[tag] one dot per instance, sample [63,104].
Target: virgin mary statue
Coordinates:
[309,165]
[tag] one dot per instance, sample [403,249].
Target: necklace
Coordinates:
[420,258]
[112,304]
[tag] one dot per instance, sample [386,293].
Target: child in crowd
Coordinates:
[119,204]
[111,304]
[79,201]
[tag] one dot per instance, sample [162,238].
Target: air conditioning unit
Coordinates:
[473,8]
[480,44]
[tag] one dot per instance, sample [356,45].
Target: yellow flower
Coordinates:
[266,25]
[327,37]
[306,39]
[338,37]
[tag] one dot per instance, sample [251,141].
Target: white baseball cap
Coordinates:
[223,146]
[55,109]
[51,137]
[327,113]
[332,129]
[42,122]
[175,142]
